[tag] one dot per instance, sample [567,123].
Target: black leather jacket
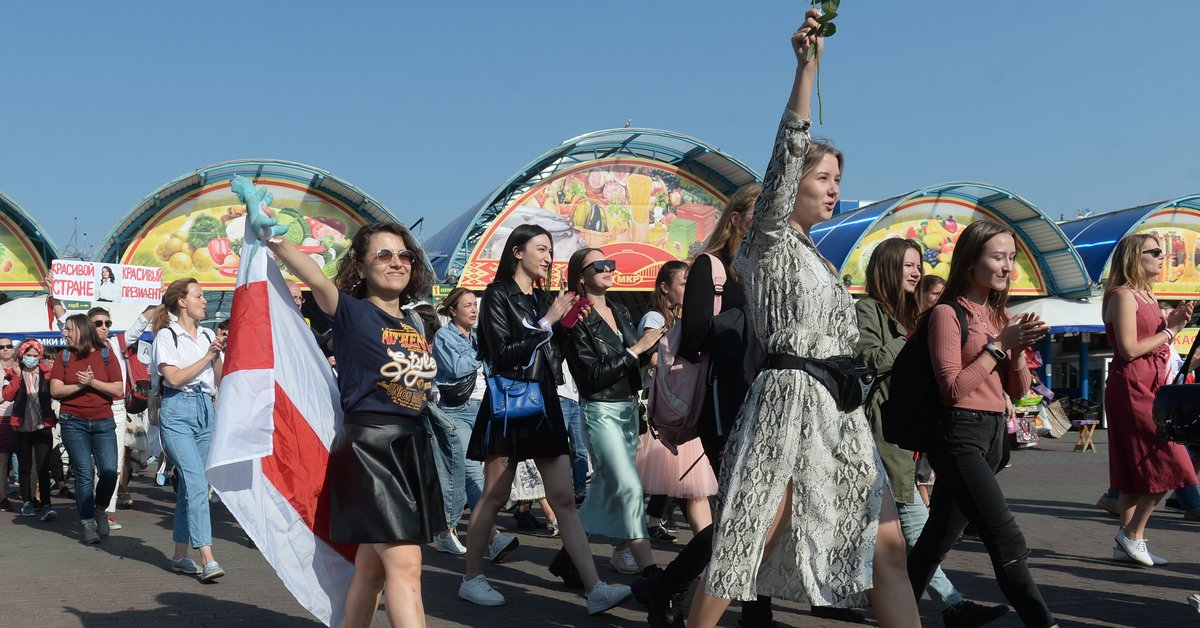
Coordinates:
[505,341]
[603,369]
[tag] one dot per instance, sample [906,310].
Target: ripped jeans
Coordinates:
[966,451]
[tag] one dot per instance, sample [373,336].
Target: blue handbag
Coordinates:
[515,399]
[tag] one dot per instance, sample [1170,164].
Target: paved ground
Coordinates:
[48,578]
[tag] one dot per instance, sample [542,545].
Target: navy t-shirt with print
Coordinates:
[384,364]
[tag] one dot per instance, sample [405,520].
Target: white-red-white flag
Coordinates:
[277,412]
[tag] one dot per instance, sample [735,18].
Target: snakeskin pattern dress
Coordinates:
[789,428]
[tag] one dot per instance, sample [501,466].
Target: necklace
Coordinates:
[980,311]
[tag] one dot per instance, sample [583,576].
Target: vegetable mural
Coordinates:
[641,213]
[1177,230]
[200,235]
[936,223]
[21,268]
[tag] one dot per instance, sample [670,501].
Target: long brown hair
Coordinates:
[728,234]
[575,271]
[349,277]
[666,277]
[928,283]
[885,280]
[1125,270]
[967,252]
[170,302]
[87,332]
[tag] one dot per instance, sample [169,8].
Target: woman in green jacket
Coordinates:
[885,317]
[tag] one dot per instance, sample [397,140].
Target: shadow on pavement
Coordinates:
[179,609]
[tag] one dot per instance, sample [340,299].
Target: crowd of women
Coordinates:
[519,392]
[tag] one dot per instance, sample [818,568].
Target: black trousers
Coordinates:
[32,449]
[967,451]
[695,556]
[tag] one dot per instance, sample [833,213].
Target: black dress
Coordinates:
[512,345]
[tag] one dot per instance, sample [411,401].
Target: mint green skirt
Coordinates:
[614,506]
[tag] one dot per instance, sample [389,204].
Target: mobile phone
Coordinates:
[575,314]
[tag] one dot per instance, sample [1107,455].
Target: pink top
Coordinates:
[973,387]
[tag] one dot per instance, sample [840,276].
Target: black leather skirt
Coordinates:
[385,484]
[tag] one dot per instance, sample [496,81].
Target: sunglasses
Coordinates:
[5,347]
[1155,253]
[386,256]
[603,266]
[100,324]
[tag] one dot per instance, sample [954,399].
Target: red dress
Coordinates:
[1138,462]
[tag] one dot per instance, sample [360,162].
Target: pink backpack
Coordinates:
[679,387]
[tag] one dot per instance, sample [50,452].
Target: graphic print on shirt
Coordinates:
[408,376]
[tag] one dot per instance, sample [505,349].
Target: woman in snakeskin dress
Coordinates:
[806,514]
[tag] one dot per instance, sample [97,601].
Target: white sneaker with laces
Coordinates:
[604,596]
[448,543]
[1135,550]
[1120,556]
[500,547]
[623,562]
[478,591]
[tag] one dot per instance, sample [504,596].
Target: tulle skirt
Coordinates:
[661,471]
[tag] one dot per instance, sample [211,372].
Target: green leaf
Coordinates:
[827,30]
[830,6]
[812,52]
[826,17]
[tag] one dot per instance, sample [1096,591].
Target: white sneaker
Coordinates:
[448,542]
[478,591]
[605,596]
[1120,556]
[1137,551]
[500,547]
[623,562]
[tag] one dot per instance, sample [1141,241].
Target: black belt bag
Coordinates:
[458,394]
[849,380]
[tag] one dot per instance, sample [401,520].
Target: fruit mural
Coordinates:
[21,268]
[641,213]
[201,234]
[1178,233]
[936,224]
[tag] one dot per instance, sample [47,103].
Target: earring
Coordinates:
[357,283]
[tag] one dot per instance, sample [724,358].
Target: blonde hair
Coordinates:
[1125,270]
[727,235]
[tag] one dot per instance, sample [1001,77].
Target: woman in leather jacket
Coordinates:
[602,351]
[516,340]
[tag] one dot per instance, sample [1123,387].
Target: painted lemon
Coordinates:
[180,262]
[202,260]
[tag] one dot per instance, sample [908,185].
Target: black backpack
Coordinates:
[911,411]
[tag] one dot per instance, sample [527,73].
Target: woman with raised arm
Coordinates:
[1141,466]
[977,380]
[516,340]
[805,511]
[386,496]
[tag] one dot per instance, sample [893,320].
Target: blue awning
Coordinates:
[1095,237]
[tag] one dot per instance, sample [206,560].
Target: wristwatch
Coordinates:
[996,352]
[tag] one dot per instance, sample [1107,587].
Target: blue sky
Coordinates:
[428,107]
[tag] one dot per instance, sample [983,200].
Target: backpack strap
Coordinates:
[719,277]
[961,312]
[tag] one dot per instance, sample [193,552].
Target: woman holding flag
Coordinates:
[386,495]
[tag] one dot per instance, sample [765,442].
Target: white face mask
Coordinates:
[30,361]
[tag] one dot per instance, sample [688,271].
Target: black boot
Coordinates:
[967,614]
[562,567]
[662,611]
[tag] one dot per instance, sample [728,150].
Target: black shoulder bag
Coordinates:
[1177,407]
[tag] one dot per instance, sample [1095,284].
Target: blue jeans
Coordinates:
[449,459]
[472,476]
[579,454]
[91,446]
[186,421]
[912,521]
